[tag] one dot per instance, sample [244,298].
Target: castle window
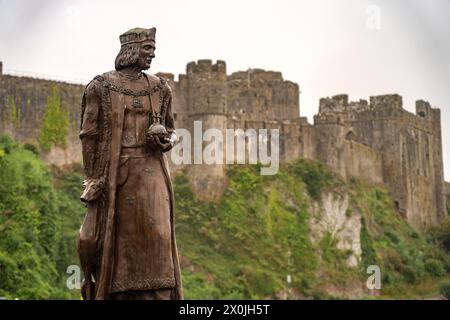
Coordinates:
[350,136]
[175,116]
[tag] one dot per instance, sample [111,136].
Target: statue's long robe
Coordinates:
[126,227]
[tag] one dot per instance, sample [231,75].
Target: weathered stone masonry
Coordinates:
[30,100]
[375,140]
[403,150]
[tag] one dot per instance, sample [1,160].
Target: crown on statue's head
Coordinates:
[137,35]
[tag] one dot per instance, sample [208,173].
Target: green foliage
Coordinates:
[441,234]
[435,268]
[334,261]
[405,256]
[11,113]
[31,147]
[55,124]
[369,254]
[314,175]
[14,112]
[245,242]
[196,287]
[444,289]
[33,225]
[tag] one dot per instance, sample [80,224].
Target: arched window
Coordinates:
[350,136]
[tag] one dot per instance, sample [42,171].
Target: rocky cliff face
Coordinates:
[333,216]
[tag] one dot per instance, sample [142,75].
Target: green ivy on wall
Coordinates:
[12,113]
[55,124]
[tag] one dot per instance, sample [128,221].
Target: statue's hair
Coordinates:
[128,55]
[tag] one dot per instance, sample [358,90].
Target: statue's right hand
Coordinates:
[155,143]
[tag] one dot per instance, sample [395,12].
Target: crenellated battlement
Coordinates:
[386,101]
[206,66]
[340,103]
[258,94]
[256,75]
[424,110]
[338,108]
[337,103]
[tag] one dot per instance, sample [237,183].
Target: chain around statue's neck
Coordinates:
[131,76]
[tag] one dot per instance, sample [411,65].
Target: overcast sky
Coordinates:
[328,47]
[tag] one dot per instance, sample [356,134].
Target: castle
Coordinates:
[374,140]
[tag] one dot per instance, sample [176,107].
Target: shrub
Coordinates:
[31,147]
[409,274]
[369,255]
[435,267]
[444,289]
[6,143]
[442,234]
[314,175]
[392,235]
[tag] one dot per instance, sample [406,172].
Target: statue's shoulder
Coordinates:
[97,82]
[110,76]
[156,80]
[105,76]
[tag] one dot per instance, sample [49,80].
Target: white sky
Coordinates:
[326,46]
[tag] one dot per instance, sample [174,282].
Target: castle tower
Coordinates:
[435,161]
[383,143]
[207,109]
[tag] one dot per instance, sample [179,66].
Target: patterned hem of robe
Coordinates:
[144,284]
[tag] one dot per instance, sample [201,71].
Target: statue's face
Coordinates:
[146,54]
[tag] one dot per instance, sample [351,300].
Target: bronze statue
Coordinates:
[127,244]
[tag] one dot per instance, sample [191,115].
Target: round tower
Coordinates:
[207,109]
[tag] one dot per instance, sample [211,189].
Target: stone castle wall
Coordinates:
[409,148]
[447,195]
[375,140]
[23,101]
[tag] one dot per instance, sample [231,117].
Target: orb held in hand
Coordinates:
[156,129]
